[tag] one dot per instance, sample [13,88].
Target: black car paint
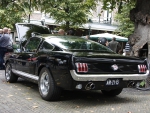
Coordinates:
[60,62]
[32,63]
[59,66]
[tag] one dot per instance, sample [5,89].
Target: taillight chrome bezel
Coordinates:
[81,67]
[142,68]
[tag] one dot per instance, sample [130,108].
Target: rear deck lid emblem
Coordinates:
[114,67]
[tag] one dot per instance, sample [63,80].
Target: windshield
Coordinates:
[76,43]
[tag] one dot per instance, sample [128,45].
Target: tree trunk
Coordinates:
[140,15]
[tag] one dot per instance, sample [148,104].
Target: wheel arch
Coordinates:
[47,66]
[53,92]
[7,63]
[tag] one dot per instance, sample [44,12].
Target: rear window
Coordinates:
[75,43]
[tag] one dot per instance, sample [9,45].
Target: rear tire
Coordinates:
[9,75]
[47,87]
[112,92]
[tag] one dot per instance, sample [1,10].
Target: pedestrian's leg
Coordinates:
[2,53]
[1,59]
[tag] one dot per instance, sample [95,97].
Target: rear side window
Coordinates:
[33,44]
[46,46]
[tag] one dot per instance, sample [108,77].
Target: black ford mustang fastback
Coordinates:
[59,63]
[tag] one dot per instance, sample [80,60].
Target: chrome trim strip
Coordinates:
[34,77]
[104,77]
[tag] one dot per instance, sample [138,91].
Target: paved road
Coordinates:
[23,97]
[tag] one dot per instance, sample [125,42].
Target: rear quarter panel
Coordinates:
[59,64]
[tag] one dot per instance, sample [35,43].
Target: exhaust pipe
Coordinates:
[90,86]
[131,84]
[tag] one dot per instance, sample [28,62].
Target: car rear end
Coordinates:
[109,72]
[95,67]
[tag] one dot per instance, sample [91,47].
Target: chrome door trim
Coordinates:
[34,77]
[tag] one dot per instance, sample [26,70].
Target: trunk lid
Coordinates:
[105,63]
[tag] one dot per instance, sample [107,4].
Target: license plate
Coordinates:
[112,82]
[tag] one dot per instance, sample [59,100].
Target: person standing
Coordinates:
[87,37]
[5,30]
[1,32]
[114,45]
[10,36]
[61,32]
[4,43]
[70,32]
[127,49]
[104,42]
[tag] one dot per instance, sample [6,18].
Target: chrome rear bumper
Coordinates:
[104,77]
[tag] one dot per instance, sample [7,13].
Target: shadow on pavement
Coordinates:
[83,97]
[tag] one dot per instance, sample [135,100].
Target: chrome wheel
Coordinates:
[44,83]
[8,72]
[9,75]
[47,87]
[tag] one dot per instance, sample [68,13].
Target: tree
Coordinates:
[126,26]
[141,17]
[14,11]
[70,13]
[10,13]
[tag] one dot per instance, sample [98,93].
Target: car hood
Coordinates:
[26,30]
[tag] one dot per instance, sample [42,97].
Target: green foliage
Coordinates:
[70,13]
[118,4]
[126,27]
[142,84]
[11,12]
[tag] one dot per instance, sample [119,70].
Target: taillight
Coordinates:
[82,67]
[142,68]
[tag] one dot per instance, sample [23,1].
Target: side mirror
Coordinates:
[10,49]
[16,39]
[16,48]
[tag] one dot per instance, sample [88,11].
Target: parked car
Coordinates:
[59,63]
